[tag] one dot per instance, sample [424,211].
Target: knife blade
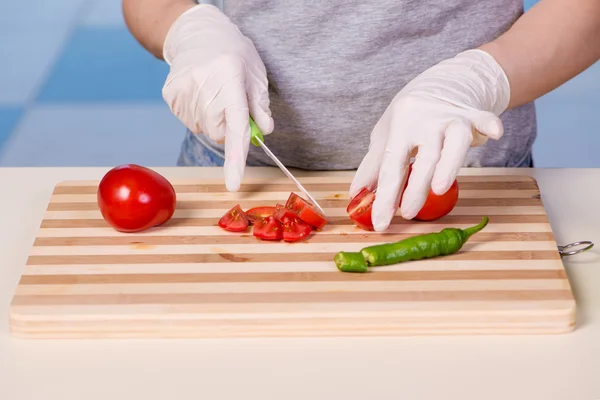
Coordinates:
[257,139]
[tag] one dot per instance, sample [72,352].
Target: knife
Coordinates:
[257,139]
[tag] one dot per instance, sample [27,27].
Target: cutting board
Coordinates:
[189,278]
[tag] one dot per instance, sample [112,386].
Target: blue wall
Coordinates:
[76,89]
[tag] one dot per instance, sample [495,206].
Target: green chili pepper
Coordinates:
[350,262]
[255,133]
[447,241]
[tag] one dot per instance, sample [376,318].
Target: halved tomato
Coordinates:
[268,228]
[234,220]
[435,207]
[305,211]
[259,212]
[360,208]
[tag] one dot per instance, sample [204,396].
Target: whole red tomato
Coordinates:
[436,206]
[133,198]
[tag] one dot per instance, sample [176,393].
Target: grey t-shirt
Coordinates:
[334,66]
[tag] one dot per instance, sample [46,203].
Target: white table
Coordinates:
[457,367]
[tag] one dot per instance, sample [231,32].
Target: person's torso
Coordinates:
[334,66]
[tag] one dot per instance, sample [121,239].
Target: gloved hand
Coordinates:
[216,82]
[441,113]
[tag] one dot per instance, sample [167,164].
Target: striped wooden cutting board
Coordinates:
[191,279]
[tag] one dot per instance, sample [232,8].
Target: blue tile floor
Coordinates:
[76,89]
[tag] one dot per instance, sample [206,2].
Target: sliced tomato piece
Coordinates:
[294,229]
[305,211]
[360,208]
[282,213]
[234,220]
[268,228]
[259,212]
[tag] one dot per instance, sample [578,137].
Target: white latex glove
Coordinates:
[441,113]
[216,82]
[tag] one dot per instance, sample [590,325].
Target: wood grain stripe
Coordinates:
[311,187]
[215,213]
[323,177]
[380,275]
[330,230]
[287,310]
[325,327]
[236,324]
[166,331]
[223,204]
[289,249]
[259,324]
[273,197]
[250,239]
[51,222]
[292,287]
[323,297]
[433,264]
[265,257]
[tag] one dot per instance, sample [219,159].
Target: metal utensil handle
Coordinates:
[255,134]
[563,252]
[257,139]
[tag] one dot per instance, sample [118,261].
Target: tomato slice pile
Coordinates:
[291,222]
[294,229]
[434,208]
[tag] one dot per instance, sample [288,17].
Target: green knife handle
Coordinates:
[255,133]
